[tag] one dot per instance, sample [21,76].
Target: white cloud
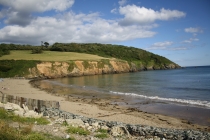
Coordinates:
[67,27]
[193,30]
[71,27]
[141,15]
[37,5]
[122,2]
[19,11]
[114,11]
[160,45]
[178,48]
[190,40]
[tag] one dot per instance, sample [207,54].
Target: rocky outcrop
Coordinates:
[80,68]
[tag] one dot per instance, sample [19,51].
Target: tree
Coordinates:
[46,44]
[36,51]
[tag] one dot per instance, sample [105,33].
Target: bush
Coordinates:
[36,51]
[16,68]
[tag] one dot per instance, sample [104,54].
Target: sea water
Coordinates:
[151,91]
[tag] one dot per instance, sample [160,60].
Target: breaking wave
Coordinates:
[175,100]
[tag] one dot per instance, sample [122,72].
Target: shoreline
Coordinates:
[97,108]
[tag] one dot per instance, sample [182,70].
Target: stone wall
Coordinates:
[30,103]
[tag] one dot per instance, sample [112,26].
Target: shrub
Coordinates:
[36,51]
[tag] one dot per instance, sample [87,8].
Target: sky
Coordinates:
[176,29]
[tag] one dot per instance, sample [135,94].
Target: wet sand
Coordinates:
[96,107]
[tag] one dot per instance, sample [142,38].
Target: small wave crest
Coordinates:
[175,100]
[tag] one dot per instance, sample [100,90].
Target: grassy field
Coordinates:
[50,56]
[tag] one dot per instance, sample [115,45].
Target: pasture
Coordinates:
[49,56]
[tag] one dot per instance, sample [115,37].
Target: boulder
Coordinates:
[75,122]
[96,125]
[119,131]
[32,114]
[8,107]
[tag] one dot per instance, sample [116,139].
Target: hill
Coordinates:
[141,58]
[74,59]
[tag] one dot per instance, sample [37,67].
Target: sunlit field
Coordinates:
[50,56]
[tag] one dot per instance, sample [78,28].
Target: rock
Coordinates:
[19,113]
[104,127]
[119,131]
[95,125]
[75,122]
[55,130]
[89,128]
[87,125]
[59,121]
[32,114]
[25,108]
[8,107]
[67,136]
[17,107]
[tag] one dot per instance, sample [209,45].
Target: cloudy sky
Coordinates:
[176,29]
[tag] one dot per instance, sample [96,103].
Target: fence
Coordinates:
[30,103]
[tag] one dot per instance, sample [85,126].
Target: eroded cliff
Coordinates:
[80,68]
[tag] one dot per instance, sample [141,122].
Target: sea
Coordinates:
[182,93]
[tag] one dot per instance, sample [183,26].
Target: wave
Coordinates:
[175,100]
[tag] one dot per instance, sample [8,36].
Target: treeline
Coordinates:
[17,47]
[130,54]
[5,48]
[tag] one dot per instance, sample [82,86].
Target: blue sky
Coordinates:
[178,30]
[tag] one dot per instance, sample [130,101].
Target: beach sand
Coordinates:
[97,108]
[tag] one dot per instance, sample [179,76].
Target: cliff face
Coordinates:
[80,68]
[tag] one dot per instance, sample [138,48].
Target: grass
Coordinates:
[9,116]
[49,56]
[22,132]
[102,134]
[77,130]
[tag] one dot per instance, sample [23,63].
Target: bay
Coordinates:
[183,93]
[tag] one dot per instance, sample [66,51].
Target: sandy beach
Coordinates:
[96,108]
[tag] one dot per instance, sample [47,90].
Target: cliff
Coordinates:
[80,68]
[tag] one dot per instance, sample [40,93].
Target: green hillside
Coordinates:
[130,54]
[16,60]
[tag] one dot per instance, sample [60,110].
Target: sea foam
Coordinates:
[174,100]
